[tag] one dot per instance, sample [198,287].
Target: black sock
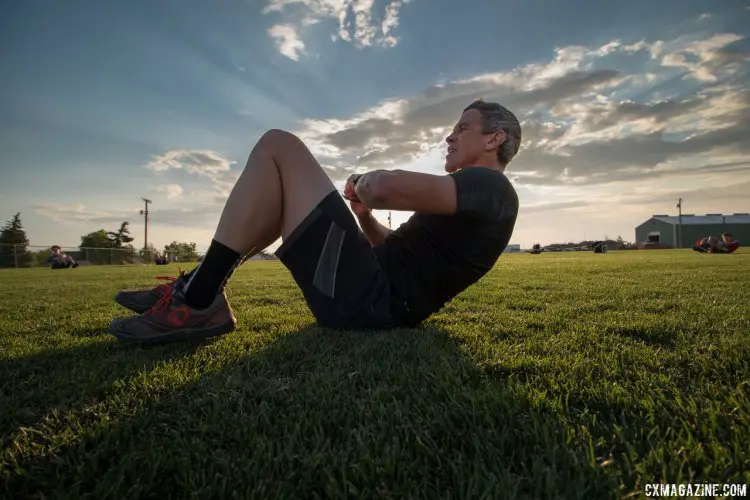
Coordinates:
[208,279]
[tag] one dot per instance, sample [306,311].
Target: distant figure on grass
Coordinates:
[59,260]
[599,247]
[712,244]
[536,249]
[368,278]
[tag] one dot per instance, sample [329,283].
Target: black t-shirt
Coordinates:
[432,258]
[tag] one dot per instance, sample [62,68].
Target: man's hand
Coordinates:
[349,192]
[359,209]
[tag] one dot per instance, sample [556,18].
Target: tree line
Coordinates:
[97,247]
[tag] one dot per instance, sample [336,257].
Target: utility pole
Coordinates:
[144,213]
[679,223]
[389,220]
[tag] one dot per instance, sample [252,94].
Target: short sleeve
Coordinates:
[484,193]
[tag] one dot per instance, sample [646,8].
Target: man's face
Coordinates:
[55,251]
[467,145]
[727,238]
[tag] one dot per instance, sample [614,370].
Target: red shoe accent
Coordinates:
[162,305]
[178,316]
[167,287]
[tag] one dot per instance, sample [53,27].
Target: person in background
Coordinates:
[712,244]
[59,260]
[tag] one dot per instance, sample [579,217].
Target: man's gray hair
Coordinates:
[495,118]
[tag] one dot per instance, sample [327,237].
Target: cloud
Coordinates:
[359,22]
[173,191]
[208,164]
[575,130]
[704,58]
[67,213]
[202,162]
[728,191]
[287,40]
[196,217]
[556,207]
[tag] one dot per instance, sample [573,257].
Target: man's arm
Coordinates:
[375,232]
[408,191]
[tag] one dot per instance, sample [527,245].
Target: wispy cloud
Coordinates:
[208,164]
[69,213]
[575,130]
[358,22]
[173,191]
[556,207]
[198,217]
[287,40]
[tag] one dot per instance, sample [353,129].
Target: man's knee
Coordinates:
[278,140]
[291,154]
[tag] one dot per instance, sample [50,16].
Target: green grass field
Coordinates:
[557,376]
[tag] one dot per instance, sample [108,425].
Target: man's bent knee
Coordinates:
[292,156]
[278,139]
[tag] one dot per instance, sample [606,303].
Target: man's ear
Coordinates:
[497,140]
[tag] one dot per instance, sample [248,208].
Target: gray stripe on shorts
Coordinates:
[328,263]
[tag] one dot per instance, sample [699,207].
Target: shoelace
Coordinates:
[166,300]
[172,278]
[162,305]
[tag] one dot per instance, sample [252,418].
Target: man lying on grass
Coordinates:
[350,277]
[712,244]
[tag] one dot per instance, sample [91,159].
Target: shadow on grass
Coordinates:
[316,413]
[64,378]
[656,336]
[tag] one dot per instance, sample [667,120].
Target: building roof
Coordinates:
[690,219]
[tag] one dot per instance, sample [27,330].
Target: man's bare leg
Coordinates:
[280,186]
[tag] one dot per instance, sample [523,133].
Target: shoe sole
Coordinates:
[168,337]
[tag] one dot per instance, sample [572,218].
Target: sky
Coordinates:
[625,106]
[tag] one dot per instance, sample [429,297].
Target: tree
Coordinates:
[182,250]
[97,239]
[14,244]
[121,237]
[95,247]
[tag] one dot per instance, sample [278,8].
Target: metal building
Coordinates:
[674,231]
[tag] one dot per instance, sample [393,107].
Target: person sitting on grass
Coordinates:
[160,260]
[352,277]
[536,249]
[712,244]
[59,260]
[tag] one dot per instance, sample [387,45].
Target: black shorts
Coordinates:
[333,264]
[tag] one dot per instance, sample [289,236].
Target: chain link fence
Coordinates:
[22,256]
